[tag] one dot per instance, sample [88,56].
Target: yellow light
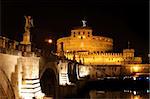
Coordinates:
[135,68]
[136,97]
[49,40]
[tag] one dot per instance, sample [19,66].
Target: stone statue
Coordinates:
[26,35]
[29,23]
[84,23]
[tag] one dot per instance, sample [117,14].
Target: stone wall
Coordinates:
[8,63]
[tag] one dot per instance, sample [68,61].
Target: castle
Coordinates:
[93,50]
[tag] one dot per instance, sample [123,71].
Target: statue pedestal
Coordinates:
[25,48]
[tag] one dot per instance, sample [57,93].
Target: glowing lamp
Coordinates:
[49,40]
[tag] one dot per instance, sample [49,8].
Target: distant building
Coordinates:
[93,50]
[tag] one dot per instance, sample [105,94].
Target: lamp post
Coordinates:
[46,49]
[49,41]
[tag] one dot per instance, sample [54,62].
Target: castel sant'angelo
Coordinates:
[93,50]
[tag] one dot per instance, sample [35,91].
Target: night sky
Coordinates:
[122,20]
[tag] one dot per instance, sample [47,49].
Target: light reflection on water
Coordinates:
[125,94]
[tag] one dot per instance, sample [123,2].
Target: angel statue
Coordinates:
[84,23]
[29,23]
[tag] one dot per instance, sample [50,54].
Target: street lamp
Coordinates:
[49,41]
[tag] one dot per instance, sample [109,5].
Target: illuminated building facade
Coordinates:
[93,50]
[20,68]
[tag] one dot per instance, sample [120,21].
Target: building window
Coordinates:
[73,35]
[79,33]
[81,37]
[83,33]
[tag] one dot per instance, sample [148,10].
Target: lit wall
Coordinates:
[81,39]
[63,73]
[8,63]
[23,73]
[138,68]
[89,49]
[29,83]
[83,70]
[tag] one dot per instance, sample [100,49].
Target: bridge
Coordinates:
[31,74]
[28,74]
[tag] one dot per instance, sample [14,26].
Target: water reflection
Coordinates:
[124,94]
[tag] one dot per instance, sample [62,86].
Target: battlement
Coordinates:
[97,54]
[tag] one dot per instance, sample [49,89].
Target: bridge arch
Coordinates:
[49,79]
[6,89]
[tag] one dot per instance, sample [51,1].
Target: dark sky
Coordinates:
[123,20]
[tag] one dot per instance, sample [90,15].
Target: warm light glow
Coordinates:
[63,74]
[49,40]
[32,81]
[83,71]
[31,90]
[134,78]
[31,86]
[63,80]
[135,68]
[96,48]
[134,92]
[30,95]
[39,95]
[136,97]
[27,95]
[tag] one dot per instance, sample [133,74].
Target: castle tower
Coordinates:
[128,52]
